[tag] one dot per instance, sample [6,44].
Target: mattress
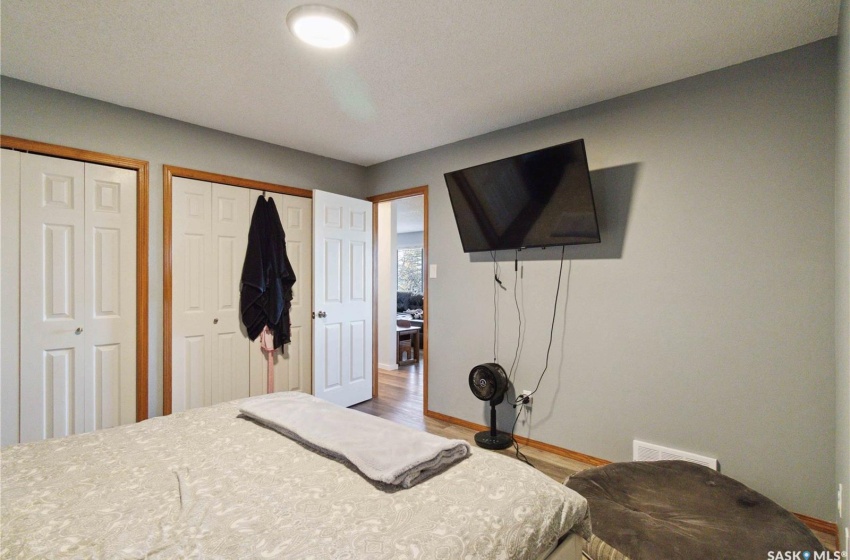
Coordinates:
[209,483]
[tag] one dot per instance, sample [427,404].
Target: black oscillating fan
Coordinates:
[489,382]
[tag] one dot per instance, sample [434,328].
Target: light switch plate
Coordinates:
[432,271]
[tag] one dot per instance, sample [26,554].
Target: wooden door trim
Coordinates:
[406,193]
[142,201]
[187,173]
[168,174]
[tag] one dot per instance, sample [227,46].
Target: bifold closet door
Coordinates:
[77,297]
[209,345]
[293,364]
[230,224]
[191,270]
[110,296]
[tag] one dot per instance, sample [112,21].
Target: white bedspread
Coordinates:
[384,451]
[208,484]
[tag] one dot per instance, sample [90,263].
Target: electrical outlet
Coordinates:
[527,399]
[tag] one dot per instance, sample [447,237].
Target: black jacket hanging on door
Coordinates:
[267,276]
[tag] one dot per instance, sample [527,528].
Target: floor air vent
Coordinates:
[650,452]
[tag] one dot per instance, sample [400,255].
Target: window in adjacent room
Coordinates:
[410,273]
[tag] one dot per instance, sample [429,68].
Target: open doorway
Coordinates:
[400,305]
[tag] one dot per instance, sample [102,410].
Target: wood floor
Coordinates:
[400,400]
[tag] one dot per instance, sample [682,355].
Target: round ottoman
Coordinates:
[676,509]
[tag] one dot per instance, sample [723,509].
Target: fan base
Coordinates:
[489,441]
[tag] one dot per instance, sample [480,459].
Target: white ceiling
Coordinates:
[420,74]
[410,214]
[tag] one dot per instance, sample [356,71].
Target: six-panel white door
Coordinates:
[342,298]
[78,305]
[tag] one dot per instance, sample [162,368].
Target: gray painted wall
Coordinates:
[842,270]
[705,319]
[411,239]
[48,115]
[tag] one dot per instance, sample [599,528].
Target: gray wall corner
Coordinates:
[842,270]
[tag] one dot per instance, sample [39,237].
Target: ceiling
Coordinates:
[419,74]
[410,214]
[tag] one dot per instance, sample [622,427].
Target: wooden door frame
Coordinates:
[386,197]
[168,174]
[142,190]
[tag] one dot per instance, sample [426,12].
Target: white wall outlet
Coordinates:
[527,394]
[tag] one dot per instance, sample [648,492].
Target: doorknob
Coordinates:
[79,330]
[322,314]
[215,321]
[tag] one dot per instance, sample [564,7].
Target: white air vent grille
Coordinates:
[643,451]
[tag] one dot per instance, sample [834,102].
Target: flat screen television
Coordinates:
[537,199]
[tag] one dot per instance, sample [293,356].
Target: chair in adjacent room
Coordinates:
[407,337]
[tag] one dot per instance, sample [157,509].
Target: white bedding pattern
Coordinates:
[206,483]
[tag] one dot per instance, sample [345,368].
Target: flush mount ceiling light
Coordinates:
[321,26]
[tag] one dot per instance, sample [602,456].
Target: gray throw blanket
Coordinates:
[383,451]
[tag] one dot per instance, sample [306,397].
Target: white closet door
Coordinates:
[297,220]
[209,351]
[77,322]
[52,297]
[192,272]
[293,366]
[10,241]
[230,224]
[110,296]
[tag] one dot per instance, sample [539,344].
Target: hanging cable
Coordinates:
[552,327]
[495,308]
[515,363]
[519,454]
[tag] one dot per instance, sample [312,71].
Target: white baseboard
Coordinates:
[388,367]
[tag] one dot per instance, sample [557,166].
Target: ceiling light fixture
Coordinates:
[321,26]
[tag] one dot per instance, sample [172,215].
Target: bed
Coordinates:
[210,483]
